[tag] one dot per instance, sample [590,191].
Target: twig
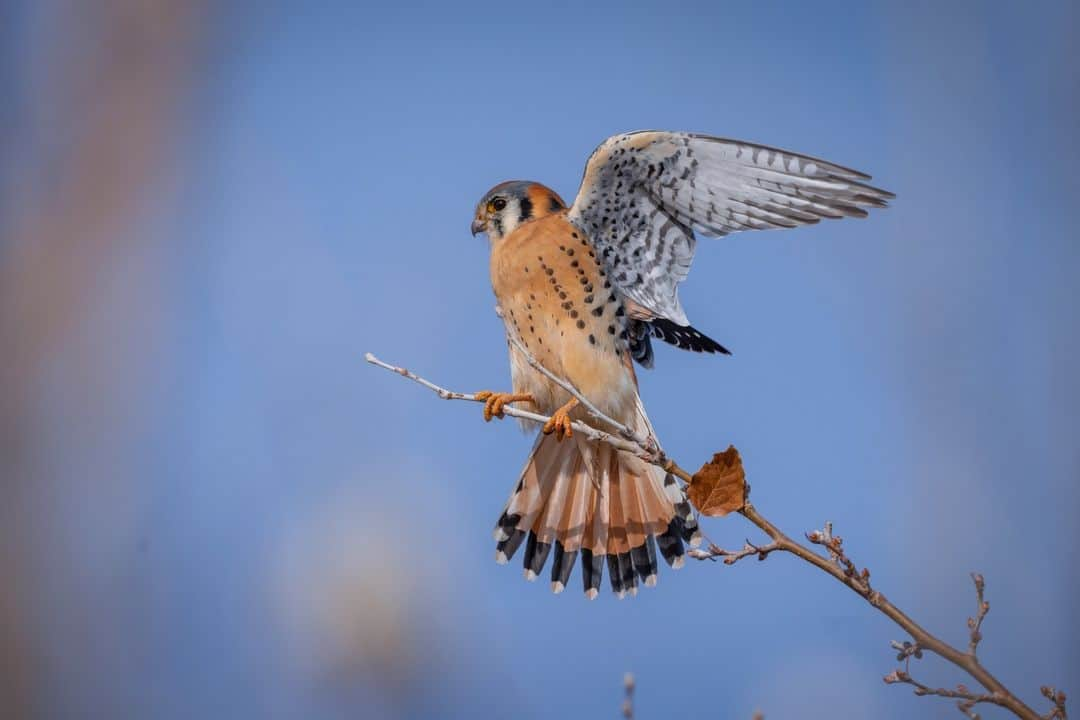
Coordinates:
[836,563]
[1058,698]
[966,699]
[587,430]
[975,623]
[732,556]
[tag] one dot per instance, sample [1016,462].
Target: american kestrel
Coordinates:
[585,288]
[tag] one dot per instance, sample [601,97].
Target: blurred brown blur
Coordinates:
[97,107]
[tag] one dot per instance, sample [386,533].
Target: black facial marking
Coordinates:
[554,204]
[526,209]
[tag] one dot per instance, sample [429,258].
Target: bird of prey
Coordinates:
[585,289]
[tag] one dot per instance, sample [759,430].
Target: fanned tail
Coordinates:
[579,497]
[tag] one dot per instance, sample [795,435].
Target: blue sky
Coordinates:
[302,535]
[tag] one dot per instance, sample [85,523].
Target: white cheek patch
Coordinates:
[509,217]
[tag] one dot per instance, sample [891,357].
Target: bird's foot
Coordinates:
[560,423]
[494,402]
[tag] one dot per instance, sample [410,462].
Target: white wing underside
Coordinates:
[645,194]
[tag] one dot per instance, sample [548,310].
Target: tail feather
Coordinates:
[581,497]
[561,566]
[536,553]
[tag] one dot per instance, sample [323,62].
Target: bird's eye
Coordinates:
[498,204]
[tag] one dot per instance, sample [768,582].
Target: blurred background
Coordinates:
[211,507]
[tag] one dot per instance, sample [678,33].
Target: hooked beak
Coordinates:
[478,226]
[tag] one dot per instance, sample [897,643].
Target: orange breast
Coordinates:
[557,299]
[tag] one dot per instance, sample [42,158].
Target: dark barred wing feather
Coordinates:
[645,194]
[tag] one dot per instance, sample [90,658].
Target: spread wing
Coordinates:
[644,194]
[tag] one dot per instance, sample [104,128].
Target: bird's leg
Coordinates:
[559,423]
[494,402]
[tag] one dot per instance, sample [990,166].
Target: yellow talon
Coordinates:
[494,402]
[560,422]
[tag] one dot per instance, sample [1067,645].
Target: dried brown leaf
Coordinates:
[719,487]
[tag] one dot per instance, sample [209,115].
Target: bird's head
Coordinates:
[509,204]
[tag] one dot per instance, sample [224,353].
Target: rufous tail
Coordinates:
[582,497]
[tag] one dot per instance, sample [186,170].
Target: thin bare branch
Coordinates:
[975,623]
[966,699]
[587,430]
[713,551]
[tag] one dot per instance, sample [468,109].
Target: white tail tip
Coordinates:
[500,534]
[678,562]
[695,539]
[500,557]
[530,575]
[557,587]
[621,594]
[592,593]
[650,581]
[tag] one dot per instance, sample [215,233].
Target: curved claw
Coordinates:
[495,402]
[560,422]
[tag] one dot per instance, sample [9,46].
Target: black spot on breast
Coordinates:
[588,299]
[562,295]
[549,271]
[592,340]
[588,288]
[598,311]
[573,313]
[610,329]
[581,324]
[620,311]
[574,263]
[570,252]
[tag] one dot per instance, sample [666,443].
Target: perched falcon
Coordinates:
[586,288]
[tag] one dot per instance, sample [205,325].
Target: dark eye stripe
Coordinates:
[526,209]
